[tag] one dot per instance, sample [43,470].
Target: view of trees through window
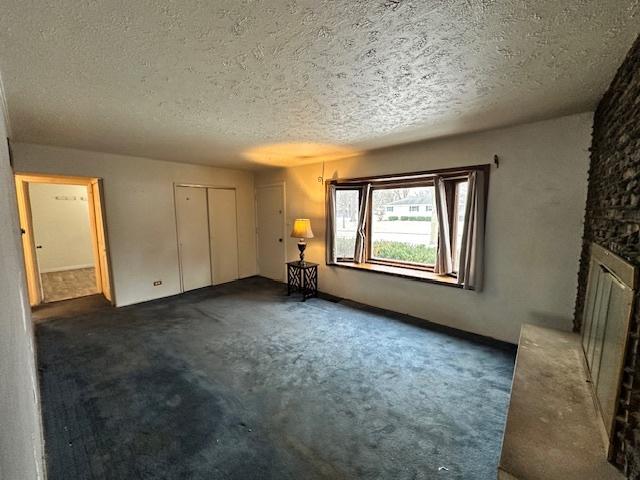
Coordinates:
[407,232]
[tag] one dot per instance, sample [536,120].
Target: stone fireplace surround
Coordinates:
[612,220]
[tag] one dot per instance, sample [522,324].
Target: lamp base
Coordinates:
[301,246]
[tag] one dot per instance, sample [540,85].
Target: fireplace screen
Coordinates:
[610,292]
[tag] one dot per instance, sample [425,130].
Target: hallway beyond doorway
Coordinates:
[64,237]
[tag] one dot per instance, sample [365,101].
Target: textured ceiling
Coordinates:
[209,81]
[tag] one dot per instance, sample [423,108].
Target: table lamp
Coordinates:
[302,231]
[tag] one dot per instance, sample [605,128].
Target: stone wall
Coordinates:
[612,219]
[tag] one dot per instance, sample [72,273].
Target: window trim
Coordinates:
[398,271]
[419,272]
[405,178]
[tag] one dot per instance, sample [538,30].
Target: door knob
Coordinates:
[38,246]
[280,240]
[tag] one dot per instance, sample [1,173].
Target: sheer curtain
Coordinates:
[330,236]
[444,264]
[359,256]
[470,270]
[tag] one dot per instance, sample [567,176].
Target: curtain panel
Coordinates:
[470,270]
[360,254]
[444,261]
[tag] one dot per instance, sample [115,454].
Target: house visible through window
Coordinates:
[399,225]
[404,236]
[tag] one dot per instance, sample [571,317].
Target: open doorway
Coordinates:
[64,238]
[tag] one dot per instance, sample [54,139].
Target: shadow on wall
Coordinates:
[545,319]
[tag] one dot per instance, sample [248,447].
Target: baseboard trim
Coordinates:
[439,327]
[66,269]
[417,321]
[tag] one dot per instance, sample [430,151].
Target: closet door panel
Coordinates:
[193,237]
[223,231]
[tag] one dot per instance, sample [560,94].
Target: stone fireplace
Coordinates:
[612,220]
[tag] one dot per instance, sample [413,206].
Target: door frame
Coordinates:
[97,220]
[175,210]
[283,186]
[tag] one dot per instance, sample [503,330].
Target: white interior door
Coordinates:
[193,237]
[271,231]
[223,231]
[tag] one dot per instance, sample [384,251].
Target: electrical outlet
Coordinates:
[157,282]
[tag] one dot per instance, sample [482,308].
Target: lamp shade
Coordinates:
[302,228]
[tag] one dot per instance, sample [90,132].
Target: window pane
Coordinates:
[409,231]
[460,209]
[346,222]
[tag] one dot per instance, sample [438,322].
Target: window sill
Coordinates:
[403,272]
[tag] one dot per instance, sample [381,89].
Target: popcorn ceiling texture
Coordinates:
[203,82]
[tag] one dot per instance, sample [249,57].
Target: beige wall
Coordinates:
[61,226]
[534,224]
[139,207]
[21,452]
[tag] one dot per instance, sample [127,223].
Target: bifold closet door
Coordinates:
[223,230]
[193,237]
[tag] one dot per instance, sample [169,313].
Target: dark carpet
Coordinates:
[242,382]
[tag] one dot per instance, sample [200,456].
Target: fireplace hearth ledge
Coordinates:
[552,429]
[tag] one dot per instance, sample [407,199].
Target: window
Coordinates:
[346,222]
[403,239]
[460,203]
[411,225]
